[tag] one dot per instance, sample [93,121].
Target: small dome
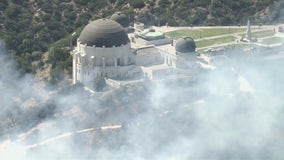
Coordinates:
[185,44]
[120,18]
[103,32]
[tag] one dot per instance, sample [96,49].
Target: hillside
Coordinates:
[233,111]
[30,28]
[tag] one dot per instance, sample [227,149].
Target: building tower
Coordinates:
[122,19]
[185,50]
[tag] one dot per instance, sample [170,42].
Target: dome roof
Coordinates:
[120,18]
[103,32]
[185,44]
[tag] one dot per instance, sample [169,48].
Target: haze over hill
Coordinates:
[232,112]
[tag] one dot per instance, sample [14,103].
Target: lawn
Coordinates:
[272,40]
[196,33]
[261,34]
[215,41]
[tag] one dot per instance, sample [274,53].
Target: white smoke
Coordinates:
[233,112]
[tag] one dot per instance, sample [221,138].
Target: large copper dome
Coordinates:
[103,32]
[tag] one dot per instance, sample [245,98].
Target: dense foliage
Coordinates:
[31,28]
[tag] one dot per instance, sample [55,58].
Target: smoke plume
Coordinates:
[232,112]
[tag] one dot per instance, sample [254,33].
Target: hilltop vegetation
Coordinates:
[31,28]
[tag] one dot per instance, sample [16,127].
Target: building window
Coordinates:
[118,61]
[128,60]
[170,62]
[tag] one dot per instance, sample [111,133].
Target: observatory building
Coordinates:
[105,50]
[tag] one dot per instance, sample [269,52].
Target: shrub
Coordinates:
[137,3]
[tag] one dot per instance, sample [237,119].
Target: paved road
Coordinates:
[69,134]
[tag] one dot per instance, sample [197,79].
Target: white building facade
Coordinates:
[97,54]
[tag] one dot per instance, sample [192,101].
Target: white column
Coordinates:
[74,68]
[104,62]
[115,62]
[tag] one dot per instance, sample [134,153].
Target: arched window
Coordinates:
[118,61]
[128,60]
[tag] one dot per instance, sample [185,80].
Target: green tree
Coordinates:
[13,11]
[137,3]
[3,4]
